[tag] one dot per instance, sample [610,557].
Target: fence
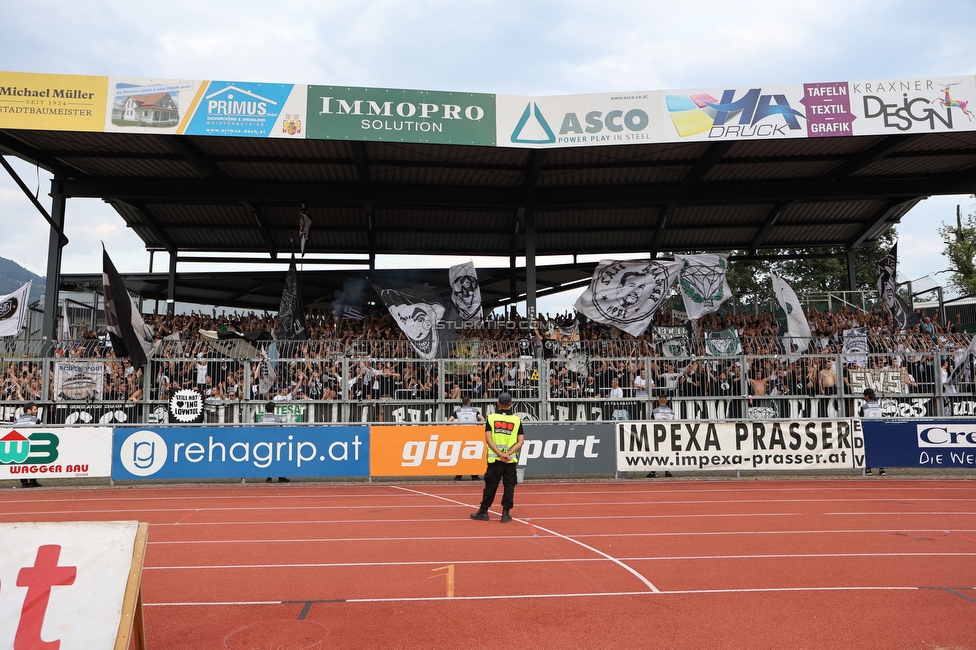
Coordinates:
[383,381]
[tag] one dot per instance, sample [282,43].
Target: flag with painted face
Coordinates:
[465,292]
[427,320]
[702,282]
[627,294]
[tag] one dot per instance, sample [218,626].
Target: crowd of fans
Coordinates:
[371,359]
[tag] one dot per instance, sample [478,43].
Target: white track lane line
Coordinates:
[604,594]
[623,566]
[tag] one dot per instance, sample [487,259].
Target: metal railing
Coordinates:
[340,382]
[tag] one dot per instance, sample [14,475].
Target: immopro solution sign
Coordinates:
[383,114]
[239,452]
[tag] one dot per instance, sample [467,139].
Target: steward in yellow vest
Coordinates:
[503,434]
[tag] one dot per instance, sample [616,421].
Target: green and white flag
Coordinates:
[722,343]
[702,281]
[798,338]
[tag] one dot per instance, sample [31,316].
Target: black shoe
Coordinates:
[267,480]
[24,483]
[282,479]
[480,515]
[651,474]
[867,472]
[668,474]
[881,472]
[506,517]
[33,483]
[475,477]
[458,477]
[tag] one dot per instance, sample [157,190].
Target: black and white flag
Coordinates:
[465,292]
[291,314]
[627,294]
[13,308]
[130,335]
[899,311]
[427,319]
[673,341]
[304,227]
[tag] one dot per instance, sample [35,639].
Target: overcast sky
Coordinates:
[511,47]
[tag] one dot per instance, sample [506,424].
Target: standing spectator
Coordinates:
[469,414]
[28,418]
[504,436]
[661,412]
[871,409]
[270,417]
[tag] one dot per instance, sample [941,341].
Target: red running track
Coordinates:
[829,563]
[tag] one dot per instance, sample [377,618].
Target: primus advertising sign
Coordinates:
[579,120]
[702,446]
[61,452]
[240,452]
[382,114]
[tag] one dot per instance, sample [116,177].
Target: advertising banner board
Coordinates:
[72,585]
[675,445]
[250,110]
[55,452]
[920,443]
[239,452]
[571,448]
[920,105]
[384,114]
[52,102]
[427,450]
[579,120]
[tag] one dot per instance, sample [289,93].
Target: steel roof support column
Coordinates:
[851,270]
[53,279]
[530,279]
[171,286]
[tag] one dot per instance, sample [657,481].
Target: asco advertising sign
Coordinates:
[240,452]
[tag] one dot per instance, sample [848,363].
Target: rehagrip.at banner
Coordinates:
[772,445]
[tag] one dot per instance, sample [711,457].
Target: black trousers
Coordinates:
[499,472]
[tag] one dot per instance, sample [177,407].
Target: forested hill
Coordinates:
[13,276]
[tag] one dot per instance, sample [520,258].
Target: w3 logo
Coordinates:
[36,449]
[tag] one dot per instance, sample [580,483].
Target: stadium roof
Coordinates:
[204,194]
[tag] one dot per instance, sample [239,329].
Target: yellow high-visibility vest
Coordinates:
[505,429]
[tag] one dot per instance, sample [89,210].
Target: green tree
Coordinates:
[960,248]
